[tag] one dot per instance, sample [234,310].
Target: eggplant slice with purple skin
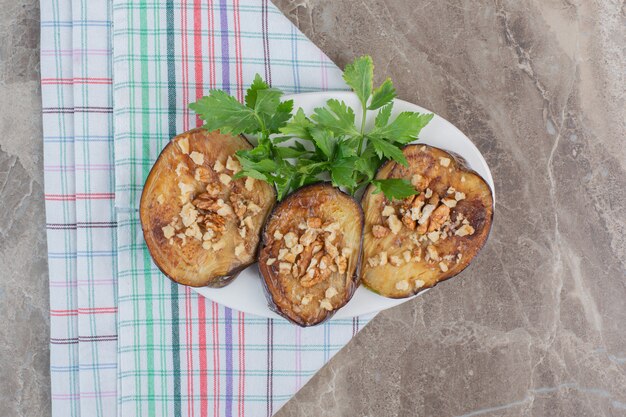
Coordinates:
[413,244]
[202,227]
[310,253]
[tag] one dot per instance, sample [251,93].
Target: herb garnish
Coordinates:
[336,146]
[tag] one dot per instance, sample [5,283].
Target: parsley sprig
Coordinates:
[293,151]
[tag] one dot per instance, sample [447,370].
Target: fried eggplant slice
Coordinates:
[202,227]
[310,254]
[413,244]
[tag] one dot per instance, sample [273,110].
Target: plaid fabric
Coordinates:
[112,312]
[181,354]
[78,151]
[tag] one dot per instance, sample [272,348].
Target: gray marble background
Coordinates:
[537,325]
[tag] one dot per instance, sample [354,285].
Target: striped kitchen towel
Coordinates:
[124,340]
[77,94]
[180,354]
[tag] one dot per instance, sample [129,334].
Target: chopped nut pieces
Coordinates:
[342,264]
[443,267]
[402,285]
[313,256]
[394,224]
[306,299]
[180,168]
[465,230]
[168,231]
[388,211]
[419,283]
[325,304]
[197,157]
[160,199]
[225,179]
[233,165]
[240,250]
[444,162]
[331,292]
[432,252]
[314,222]
[202,174]
[439,217]
[291,239]
[219,245]
[379,231]
[419,182]
[433,236]
[270,261]
[183,143]
[218,166]
[249,183]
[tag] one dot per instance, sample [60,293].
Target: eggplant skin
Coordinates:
[475,208]
[283,292]
[190,264]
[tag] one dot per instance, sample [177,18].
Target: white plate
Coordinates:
[246,294]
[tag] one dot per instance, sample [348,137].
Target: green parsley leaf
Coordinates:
[345,152]
[368,162]
[359,75]
[293,151]
[280,116]
[382,118]
[404,129]
[382,95]
[337,117]
[341,172]
[394,188]
[388,150]
[267,100]
[298,126]
[251,93]
[324,141]
[222,111]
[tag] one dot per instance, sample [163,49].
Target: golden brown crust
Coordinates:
[459,204]
[184,175]
[292,293]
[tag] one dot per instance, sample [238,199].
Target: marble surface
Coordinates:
[24,334]
[536,326]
